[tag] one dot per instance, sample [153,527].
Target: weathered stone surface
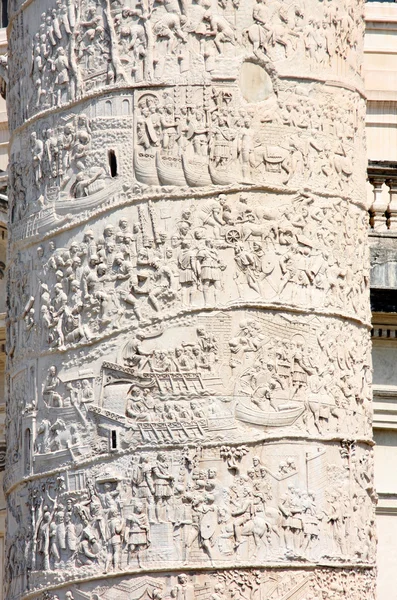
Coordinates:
[188,329]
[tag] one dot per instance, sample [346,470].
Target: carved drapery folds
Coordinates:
[189,367]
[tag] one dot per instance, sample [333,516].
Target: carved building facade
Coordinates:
[189,360]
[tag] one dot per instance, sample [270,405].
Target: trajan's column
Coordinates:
[189,410]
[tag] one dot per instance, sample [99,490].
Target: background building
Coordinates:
[380,72]
[380,69]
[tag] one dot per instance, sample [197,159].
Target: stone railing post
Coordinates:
[392,208]
[380,205]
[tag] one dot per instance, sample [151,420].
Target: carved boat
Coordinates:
[170,171]
[54,459]
[224,176]
[181,430]
[41,222]
[79,205]
[46,218]
[145,168]
[189,384]
[283,418]
[196,172]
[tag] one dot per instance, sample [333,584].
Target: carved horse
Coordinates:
[322,412]
[261,38]
[262,229]
[258,38]
[259,525]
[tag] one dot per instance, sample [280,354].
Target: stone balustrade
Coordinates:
[383,212]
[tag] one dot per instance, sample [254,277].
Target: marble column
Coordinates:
[189,370]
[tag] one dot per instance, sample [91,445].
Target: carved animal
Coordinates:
[258,526]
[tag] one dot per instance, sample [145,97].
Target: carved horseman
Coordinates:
[243,513]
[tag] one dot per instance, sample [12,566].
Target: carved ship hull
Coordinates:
[54,459]
[224,176]
[196,173]
[286,417]
[46,220]
[79,205]
[181,384]
[182,430]
[145,169]
[38,224]
[170,171]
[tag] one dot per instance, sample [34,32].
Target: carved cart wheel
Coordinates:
[232,236]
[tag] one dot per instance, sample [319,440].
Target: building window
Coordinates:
[4,13]
[114,439]
[112,163]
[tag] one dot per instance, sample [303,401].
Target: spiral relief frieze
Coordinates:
[189,371]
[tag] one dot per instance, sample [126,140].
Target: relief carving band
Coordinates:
[189,376]
[168,257]
[183,141]
[225,506]
[217,378]
[72,49]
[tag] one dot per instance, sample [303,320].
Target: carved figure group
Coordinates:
[62,159]
[230,584]
[54,70]
[227,511]
[221,249]
[283,32]
[206,139]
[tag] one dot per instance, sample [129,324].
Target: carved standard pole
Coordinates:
[189,370]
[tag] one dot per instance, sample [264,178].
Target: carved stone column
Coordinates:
[189,367]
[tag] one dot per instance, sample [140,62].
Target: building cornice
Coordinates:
[381,15]
[387,504]
[385,407]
